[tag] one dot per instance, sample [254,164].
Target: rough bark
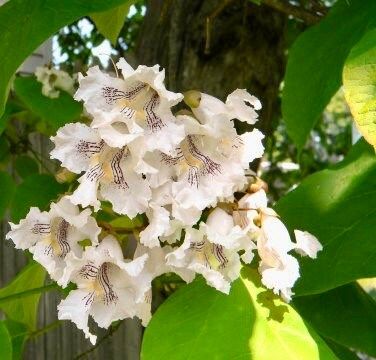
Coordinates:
[217,46]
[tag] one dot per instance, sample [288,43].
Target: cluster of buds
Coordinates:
[177,169]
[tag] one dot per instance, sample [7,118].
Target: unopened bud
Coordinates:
[184,112]
[64,176]
[257,185]
[192,98]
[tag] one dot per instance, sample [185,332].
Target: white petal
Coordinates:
[281,279]
[86,193]
[256,201]
[155,78]
[92,87]
[29,231]
[208,107]
[70,212]
[115,129]
[220,221]
[307,244]
[126,69]
[159,221]
[130,199]
[242,105]
[212,277]
[75,144]
[75,308]
[252,147]
[276,234]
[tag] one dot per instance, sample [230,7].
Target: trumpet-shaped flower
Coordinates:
[105,287]
[211,250]
[51,236]
[141,100]
[109,172]
[239,105]
[209,165]
[279,269]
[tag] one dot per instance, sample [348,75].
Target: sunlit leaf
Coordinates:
[199,322]
[315,63]
[359,84]
[109,23]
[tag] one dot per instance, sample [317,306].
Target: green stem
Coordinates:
[29,292]
[45,329]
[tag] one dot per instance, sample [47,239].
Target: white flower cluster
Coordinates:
[178,169]
[53,80]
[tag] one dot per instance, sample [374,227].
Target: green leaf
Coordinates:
[36,190]
[4,149]
[11,109]
[128,223]
[359,84]
[56,112]
[21,34]
[199,322]
[24,309]
[314,68]
[18,333]
[5,342]
[341,352]
[26,166]
[338,206]
[346,315]
[7,187]
[109,23]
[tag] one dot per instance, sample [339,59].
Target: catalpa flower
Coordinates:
[51,236]
[211,250]
[157,265]
[279,269]
[105,287]
[109,172]
[209,165]
[53,80]
[138,102]
[239,105]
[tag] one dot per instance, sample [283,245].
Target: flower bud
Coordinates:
[64,176]
[192,98]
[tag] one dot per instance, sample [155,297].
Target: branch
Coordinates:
[285,7]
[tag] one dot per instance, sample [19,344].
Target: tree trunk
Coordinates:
[217,46]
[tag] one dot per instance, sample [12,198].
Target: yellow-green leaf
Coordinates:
[110,22]
[24,309]
[199,322]
[359,81]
